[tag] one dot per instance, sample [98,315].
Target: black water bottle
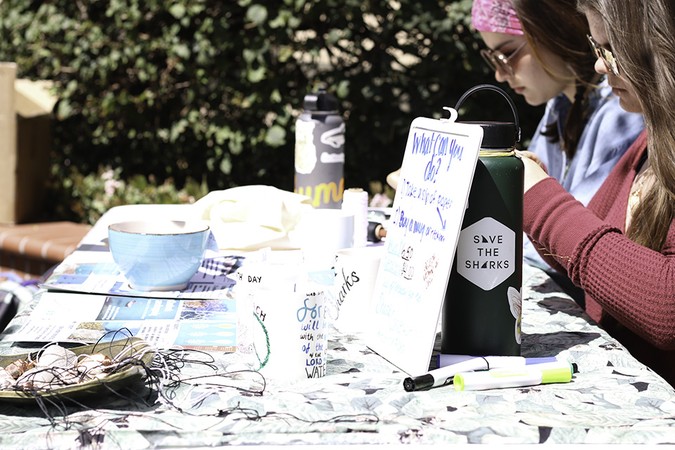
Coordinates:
[482,308]
[319,151]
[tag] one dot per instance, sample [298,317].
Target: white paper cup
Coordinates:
[254,275]
[290,335]
[355,275]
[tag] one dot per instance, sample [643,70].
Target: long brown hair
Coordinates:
[559,27]
[641,34]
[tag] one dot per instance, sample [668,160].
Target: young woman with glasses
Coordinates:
[621,248]
[540,48]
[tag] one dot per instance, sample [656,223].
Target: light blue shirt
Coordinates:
[607,135]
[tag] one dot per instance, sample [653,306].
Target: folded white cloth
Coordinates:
[253,217]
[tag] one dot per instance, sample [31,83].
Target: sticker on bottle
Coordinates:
[486,253]
[305,150]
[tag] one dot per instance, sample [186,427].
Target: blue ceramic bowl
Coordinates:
[158,255]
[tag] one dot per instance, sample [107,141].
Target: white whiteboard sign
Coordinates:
[422,234]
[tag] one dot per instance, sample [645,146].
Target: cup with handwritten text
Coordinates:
[355,275]
[290,337]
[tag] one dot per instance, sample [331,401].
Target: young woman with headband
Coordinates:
[539,47]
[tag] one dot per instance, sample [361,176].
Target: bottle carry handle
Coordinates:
[491,87]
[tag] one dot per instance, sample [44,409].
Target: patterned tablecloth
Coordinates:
[613,399]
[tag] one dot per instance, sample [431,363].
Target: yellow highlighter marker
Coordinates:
[532,375]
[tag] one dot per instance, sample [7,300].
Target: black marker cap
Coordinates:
[421,383]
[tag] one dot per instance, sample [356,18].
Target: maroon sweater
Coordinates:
[630,289]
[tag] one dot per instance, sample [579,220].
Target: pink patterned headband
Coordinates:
[497,16]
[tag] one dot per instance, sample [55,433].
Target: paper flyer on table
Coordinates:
[92,270]
[203,324]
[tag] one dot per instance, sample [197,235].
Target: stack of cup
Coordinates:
[322,232]
[355,201]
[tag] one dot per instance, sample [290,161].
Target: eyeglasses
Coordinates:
[499,61]
[606,55]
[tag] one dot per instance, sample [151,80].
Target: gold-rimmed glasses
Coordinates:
[499,61]
[605,55]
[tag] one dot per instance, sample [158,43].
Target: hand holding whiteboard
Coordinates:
[438,166]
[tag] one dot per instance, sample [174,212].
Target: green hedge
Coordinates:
[203,94]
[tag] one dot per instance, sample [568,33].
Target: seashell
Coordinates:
[6,379]
[57,356]
[45,379]
[18,367]
[92,365]
[35,379]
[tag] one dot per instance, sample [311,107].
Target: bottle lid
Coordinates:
[321,101]
[498,135]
